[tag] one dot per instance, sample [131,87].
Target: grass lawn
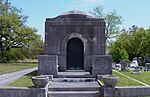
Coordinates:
[123,81]
[144,77]
[25,81]
[12,67]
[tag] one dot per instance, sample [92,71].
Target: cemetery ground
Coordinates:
[13,67]
[123,81]
[25,81]
[144,77]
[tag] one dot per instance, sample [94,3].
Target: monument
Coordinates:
[75,41]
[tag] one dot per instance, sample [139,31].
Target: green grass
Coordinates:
[144,77]
[25,81]
[12,67]
[123,81]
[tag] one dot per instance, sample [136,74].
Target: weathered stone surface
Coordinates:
[74,89]
[110,92]
[48,65]
[124,66]
[40,81]
[132,91]
[23,92]
[74,24]
[147,67]
[102,65]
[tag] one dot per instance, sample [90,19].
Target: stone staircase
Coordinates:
[74,74]
[74,87]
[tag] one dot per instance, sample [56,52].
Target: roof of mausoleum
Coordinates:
[72,13]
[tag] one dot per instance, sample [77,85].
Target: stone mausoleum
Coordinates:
[74,41]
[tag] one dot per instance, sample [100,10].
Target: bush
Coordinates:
[12,55]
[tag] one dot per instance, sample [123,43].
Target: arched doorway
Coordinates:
[75,54]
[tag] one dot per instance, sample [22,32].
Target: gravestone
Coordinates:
[147,59]
[147,67]
[137,70]
[140,61]
[124,66]
[75,41]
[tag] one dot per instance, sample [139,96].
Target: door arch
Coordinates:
[75,54]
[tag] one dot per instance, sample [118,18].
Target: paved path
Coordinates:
[7,78]
[132,78]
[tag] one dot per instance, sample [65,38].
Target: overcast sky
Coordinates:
[134,12]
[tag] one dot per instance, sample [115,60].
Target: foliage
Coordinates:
[118,52]
[134,41]
[112,19]
[14,33]
[13,54]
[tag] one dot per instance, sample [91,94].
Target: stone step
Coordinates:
[74,94]
[74,79]
[74,89]
[74,86]
[76,71]
[74,74]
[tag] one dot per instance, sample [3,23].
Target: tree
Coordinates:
[118,52]
[14,32]
[112,19]
[35,47]
[134,41]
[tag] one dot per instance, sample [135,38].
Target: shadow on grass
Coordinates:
[34,73]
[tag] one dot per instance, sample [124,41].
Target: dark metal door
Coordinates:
[75,54]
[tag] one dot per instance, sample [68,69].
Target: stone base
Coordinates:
[109,92]
[47,65]
[102,65]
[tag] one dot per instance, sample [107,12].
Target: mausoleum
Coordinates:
[75,41]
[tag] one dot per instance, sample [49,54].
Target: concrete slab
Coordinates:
[74,84]
[74,94]
[75,74]
[75,89]
[74,79]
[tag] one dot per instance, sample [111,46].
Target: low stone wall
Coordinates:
[132,91]
[23,92]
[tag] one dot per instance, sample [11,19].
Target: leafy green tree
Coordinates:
[134,41]
[118,52]
[35,47]
[14,32]
[112,19]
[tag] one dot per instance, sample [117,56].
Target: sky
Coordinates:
[133,12]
